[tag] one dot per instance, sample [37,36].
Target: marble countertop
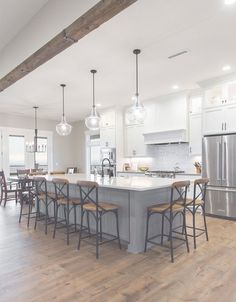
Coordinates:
[133,183]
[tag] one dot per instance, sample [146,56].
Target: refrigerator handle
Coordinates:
[218,161]
[224,161]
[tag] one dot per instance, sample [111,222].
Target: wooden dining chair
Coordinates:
[9,191]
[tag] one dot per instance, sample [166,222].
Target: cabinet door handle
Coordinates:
[190,149]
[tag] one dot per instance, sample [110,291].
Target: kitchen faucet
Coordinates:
[110,172]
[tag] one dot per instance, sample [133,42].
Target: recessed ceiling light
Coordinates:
[175,87]
[226,68]
[98,105]
[228,2]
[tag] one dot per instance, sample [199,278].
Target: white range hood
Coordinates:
[166,137]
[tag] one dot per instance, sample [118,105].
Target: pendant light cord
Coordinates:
[137,76]
[93,90]
[63,101]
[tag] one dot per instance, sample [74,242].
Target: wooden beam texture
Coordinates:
[103,11]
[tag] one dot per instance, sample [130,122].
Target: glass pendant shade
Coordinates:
[92,122]
[63,128]
[137,112]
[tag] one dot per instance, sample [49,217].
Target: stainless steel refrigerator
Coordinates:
[219,165]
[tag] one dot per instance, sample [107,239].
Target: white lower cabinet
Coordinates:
[108,137]
[134,141]
[195,134]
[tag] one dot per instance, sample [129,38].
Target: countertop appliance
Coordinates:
[219,165]
[163,173]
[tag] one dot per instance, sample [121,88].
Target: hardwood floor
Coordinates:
[34,267]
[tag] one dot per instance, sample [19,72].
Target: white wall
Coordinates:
[63,147]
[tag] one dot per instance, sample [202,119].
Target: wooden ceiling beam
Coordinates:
[103,11]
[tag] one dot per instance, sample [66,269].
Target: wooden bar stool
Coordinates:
[170,211]
[46,198]
[27,197]
[67,203]
[193,205]
[90,204]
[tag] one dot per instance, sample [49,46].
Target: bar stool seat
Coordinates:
[190,202]
[71,201]
[102,206]
[160,208]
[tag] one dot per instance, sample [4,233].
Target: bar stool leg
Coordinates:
[46,217]
[205,224]
[147,225]
[100,220]
[194,228]
[97,237]
[117,228]
[171,239]
[21,208]
[36,214]
[67,223]
[75,218]
[81,228]
[88,222]
[55,224]
[185,231]
[162,228]
[29,212]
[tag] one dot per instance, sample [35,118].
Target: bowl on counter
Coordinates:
[143,169]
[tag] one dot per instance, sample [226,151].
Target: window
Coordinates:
[16,153]
[41,157]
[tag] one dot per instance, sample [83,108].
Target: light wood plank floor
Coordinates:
[34,267]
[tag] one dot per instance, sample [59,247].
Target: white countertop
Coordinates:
[133,183]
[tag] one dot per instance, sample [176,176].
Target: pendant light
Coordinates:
[136,113]
[92,121]
[33,146]
[63,128]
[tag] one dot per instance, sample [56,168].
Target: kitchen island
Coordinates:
[133,195]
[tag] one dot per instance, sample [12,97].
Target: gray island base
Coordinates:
[133,195]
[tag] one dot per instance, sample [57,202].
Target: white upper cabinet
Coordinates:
[213,122]
[108,119]
[216,96]
[195,134]
[108,137]
[195,105]
[220,109]
[134,141]
[108,129]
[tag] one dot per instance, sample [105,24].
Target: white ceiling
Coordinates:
[160,28]
[14,15]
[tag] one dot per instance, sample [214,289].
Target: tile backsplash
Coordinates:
[166,157]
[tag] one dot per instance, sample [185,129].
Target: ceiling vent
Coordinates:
[183,52]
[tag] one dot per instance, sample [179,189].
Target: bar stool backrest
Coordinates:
[179,192]
[199,191]
[89,192]
[61,187]
[40,186]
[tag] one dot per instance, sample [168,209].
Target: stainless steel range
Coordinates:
[162,173]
